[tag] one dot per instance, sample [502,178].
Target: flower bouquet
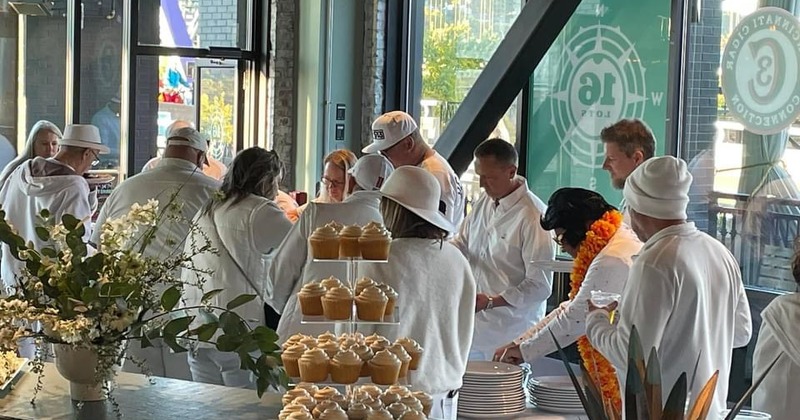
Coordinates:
[90,304]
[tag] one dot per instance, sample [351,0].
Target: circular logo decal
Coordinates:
[604,82]
[759,71]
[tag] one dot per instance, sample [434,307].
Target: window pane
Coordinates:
[746,189]
[195,23]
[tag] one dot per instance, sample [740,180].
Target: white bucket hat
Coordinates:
[83,135]
[371,171]
[419,192]
[389,129]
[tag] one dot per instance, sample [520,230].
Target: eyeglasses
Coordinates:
[332,183]
[96,160]
[559,239]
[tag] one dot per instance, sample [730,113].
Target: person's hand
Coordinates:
[481,302]
[610,307]
[509,353]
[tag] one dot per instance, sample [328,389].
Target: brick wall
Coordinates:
[282,88]
[219,23]
[374,72]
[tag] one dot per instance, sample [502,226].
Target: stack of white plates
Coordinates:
[491,390]
[555,394]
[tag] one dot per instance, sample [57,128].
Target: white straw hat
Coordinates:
[371,171]
[389,129]
[83,135]
[418,191]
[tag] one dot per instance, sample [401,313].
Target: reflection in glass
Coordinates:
[198,23]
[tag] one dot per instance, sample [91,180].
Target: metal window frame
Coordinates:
[72,107]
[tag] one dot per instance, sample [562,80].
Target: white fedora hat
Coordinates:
[418,191]
[83,135]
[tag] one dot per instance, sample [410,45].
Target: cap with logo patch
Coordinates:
[389,129]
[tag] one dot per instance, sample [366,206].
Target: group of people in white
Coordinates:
[469,286]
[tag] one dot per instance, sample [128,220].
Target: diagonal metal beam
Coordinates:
[506,73]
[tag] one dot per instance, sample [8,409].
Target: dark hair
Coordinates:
[501,150]
[630,136]
[796,261]
[572,209]
[402,223]
[253,171]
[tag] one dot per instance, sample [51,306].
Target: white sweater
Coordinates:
[436,300]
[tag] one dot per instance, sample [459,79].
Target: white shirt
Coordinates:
[685,297]
[452,202]
[251,231]
[293,265]
[779,334]
[500,244]
[607,272]
[436,304]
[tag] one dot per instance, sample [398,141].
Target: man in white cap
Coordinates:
[56,184]
[684,292]
[395,135]
[212,167]
[501,238]
[177,177]
[292,266]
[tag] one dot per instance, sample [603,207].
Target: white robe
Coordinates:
[293,265]
[685,297]
[780,333]
[607,272]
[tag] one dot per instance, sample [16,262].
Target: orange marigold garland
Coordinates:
[597,238]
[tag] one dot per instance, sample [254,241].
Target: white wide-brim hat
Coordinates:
[83,135]
[419,192]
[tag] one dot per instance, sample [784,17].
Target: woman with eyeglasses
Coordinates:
[336,183]
[245,226]
[591,231]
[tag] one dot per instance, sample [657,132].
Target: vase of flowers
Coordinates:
[89,303]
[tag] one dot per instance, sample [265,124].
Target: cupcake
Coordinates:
[391,294]
[308,401]
[346,367]
[294,339]
[348,242]
[374,242]
[331,282]
[322,406]
[334,413]
[337,304]
[310,297]
[329,347]
[400,390]
[426,400]
[291,394]
[340,400]
[311,388]
[335,225]
[313,365]
[371,304]
[363,283]
[413,349]
[389,398]
[358,411]
[380,344]
[290,409]
[373,403]
[412,403]
[413,415]
[384,368]
[326,393]
[300,416]
[371,390]
[397,409]
[381,414]
[290,357]
[328,336]
[347,343]
[325,243]
[309,342]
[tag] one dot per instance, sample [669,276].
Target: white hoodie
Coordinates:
[36,185]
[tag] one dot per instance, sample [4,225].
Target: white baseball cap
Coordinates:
[418,191]
[389,129]
[371,171]
[188,136]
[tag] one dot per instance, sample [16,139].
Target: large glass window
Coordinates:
[201,24]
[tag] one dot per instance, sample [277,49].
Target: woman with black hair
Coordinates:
[591,231]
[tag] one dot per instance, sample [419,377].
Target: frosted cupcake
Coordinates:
[346,367]
[426,400]
[365,354]
[300,416]
[290,409]
[363,283]
[335,413]
[324,243]
[413,349]
[341,400]
[380,344]
[326,393]
[348,242]
[371,390]
[309,342]
[372,338]
[308,386]
[307,401]
[322,406]
[291,394]
[374,242]
[331,282]
[337,304]
[358,411]
[294,339]
[310,297]
[412,403]
[290,357]
[391,294]
[381,414]
[371,304]
[397,409]
[385,368]
[400,390]
[373,403]
[389,398]
[329,347]
[327,336]
[413,415]
[313,365]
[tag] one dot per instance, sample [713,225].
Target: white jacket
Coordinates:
[779,334]
[607,272]
[27,192]
[501,244]
[686,298]
[436,304]
[250,230]
[452,197]
[293,265]
[171,176]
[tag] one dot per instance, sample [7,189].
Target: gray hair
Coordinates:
[29,150]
